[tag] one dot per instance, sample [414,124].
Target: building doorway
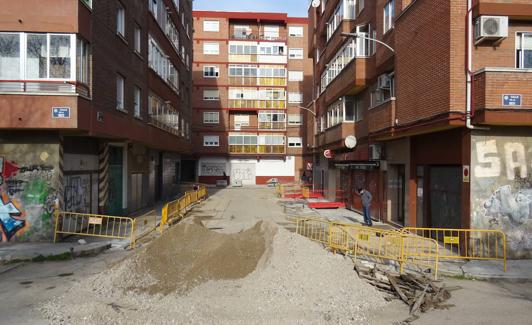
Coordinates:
[396,190]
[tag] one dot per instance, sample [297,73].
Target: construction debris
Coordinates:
[418,291]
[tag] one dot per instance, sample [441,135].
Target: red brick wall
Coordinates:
[423,61]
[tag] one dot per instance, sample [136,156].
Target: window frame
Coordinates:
[211,117]
[519,49]
[120,92]
[212,23]
[137,39]
[211,98]
[292,78]
[121,20]
[298,121]
[301,28]
[388,16]
[137,102]
[299,56]
[209,141]
[211,52]
[292,101]
[215,69]
[298,143]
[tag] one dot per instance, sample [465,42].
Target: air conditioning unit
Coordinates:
[375,152]
[491,27]
[383,82]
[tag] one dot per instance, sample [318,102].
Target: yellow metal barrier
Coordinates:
[358,240]
[175,210]
[315,229]
[470,244]
[69,223]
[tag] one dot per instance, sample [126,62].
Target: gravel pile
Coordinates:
[294,281]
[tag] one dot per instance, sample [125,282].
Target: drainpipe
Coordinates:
[469,72]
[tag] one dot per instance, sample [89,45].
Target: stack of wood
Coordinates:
[418,291]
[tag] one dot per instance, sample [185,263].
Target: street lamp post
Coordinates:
[360,35]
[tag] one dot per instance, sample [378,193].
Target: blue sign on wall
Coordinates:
[511,100]
[61,112]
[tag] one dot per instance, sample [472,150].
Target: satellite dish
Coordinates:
[350,142]
[316,3]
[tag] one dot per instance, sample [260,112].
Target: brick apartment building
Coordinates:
[442,122]
[251,74]
[95,108]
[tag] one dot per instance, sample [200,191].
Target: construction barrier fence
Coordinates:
[418,247]
[94,225]
[467,244]
[175,210]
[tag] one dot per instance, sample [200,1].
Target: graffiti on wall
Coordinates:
[27,199]
[501,191]
[78,193]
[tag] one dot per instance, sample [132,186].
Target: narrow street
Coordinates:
[293,281]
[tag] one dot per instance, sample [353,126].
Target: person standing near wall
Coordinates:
[366,198]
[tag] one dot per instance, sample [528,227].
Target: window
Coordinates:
[295,119]
[211,26]
[119,92]
[211,71]
[383,90]
[121,20]
[335,20]
[211,48]
[241,120]
[211,94]
[242,49]
[137,101]
[354,108]
[295,75]
[295,53]
[88,3]
[160,63]
[48,56]
[211,141]
[295,97]
[10,58]
[271,32]
[295,31]
[242,32]
[389,15]
[211,117]
[137,40]
[82,59]
[295,142]
[523,47]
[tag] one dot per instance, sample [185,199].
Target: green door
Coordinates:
[114,205]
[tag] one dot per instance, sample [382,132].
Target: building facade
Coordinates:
[442,118]
[251,75]
[95,101]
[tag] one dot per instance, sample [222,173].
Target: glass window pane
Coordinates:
[60,56]
[10,56]
[36,57]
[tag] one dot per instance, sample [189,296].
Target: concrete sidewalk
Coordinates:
[46,250]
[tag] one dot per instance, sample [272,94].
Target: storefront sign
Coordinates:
[511,100]
[60,112]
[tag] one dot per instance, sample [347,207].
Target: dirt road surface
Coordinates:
[293,282]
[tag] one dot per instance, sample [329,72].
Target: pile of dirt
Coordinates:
[190,254]
[191,275]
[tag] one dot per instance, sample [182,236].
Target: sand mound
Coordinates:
[265,275]
[189,254]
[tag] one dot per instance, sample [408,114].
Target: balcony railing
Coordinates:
[44,87]
[254,37]
[256,149]
[257,81]
[260,126]
[168,121]
[249,103]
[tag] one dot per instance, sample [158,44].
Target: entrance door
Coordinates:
[116,174]
[445,196]
[396,186]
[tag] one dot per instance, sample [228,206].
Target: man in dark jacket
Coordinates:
[366,198]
